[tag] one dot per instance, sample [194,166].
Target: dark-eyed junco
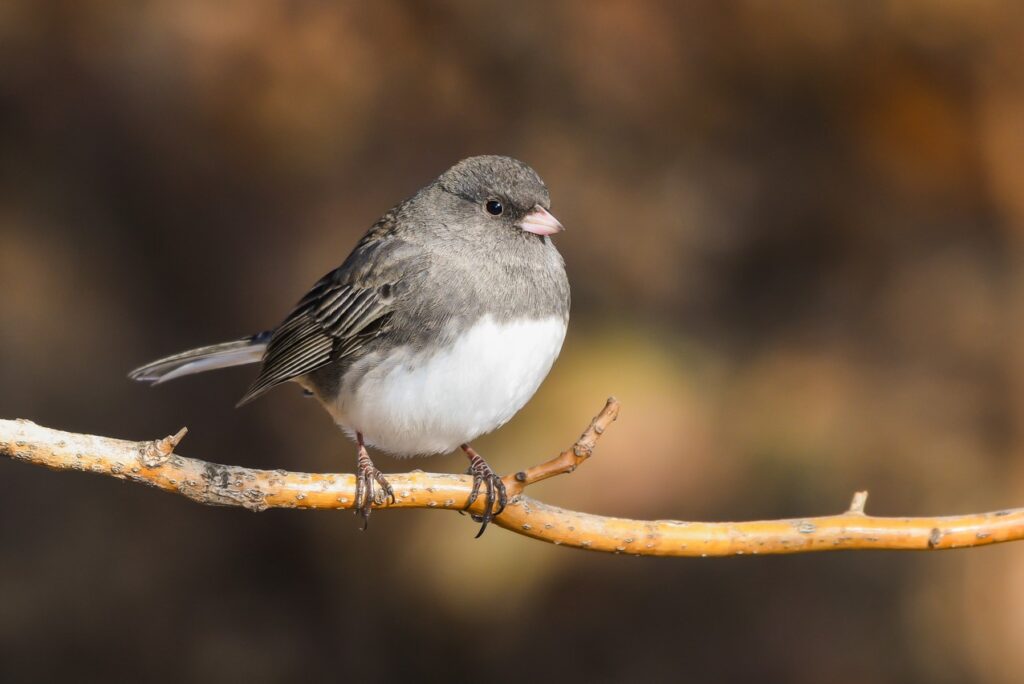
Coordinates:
[438,328]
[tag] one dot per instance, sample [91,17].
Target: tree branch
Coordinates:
[156,464]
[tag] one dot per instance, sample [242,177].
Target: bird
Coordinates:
[438,327]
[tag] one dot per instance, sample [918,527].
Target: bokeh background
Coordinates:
[795,244]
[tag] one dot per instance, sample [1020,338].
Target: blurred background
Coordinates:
[795,238]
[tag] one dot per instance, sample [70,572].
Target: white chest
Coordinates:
[412,403]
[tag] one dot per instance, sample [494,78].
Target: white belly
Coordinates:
[411,403]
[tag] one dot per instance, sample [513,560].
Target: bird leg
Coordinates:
[493,486]
[366,475]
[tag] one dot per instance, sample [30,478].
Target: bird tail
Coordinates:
[224,355]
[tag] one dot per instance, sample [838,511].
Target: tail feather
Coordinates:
[224,355]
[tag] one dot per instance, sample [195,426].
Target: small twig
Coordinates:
[858,502]
[571,458]
[155,464]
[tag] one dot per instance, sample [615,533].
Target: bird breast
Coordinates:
[426,402]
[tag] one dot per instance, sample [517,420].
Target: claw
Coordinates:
[494,489]
[366,495]
[386,492]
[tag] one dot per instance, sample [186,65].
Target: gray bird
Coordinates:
[438,327]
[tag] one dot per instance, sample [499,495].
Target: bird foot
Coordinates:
[366,494]
[495,495]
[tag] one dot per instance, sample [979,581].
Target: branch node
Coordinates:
[858,502]
[157,452]
[581,450]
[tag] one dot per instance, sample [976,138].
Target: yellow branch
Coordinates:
[155,464]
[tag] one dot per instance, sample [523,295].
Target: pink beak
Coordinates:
[540,221]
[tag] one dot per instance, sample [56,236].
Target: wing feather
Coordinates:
[339,315]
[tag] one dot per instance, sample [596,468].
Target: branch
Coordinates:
[156,464]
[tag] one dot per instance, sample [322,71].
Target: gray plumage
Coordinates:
[426,271]
[224,355]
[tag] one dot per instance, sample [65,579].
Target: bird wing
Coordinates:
[347,308]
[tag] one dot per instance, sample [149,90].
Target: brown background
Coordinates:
[794,240]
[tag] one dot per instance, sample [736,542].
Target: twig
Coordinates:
[571,458]
[156,464]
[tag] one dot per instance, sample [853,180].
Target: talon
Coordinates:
[387,494]
[366,494]
[494,490]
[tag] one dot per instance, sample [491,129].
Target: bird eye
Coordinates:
[494,207]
